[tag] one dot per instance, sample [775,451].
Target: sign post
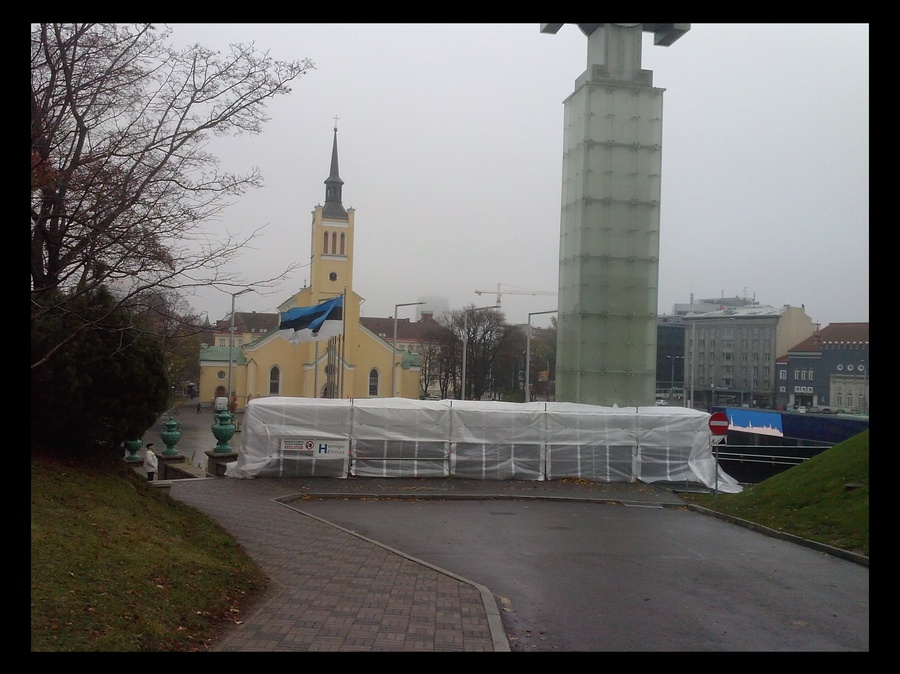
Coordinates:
[718,426]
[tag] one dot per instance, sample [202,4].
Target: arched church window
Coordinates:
[334,243]
[343,239]
[373,382]
[274,381]
[325,245]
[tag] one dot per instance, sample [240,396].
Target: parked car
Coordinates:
[800,408]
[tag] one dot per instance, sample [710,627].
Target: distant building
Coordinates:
[670,357]
[730,353]
[829,369]
[714,304]
[434,304]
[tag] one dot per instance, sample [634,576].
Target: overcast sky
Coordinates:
[450,145]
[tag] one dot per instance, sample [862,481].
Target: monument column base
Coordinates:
[217,462]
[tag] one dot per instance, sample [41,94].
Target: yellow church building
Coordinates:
[355,364]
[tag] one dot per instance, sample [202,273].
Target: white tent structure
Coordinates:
[488,440]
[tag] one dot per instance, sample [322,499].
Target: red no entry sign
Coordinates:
[718,423]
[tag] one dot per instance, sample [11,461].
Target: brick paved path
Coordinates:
[331,590]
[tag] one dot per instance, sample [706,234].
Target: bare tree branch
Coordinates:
[124,194]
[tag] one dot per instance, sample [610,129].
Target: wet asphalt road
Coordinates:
[572,576]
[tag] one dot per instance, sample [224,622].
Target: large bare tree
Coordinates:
[430,358]
[177,330]
[482,332]
[123,190]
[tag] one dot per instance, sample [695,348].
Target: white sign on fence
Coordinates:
[326,449]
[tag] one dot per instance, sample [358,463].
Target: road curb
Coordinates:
[774,533]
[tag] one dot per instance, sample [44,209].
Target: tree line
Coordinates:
[496,357]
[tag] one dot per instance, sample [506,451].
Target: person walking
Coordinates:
[150,462]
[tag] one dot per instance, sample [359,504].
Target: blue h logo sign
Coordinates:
[323,448]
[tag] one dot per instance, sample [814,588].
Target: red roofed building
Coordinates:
[827,372]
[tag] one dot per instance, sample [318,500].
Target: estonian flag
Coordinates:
[312,324]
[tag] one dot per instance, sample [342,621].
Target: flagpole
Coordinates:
[315,393]
[332,376]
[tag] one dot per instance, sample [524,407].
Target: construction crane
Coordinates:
[498,292]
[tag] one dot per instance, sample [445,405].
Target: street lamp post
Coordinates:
[528,353]
[672,378]
[693,358]
[231,338]
[394,343]
[466,341]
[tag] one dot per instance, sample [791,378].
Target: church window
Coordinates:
[373,382]
[343,239]
[274,381]
[334,243]
[325,246]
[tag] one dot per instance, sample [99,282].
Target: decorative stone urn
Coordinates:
[133,446]
[224,429]
[170,436]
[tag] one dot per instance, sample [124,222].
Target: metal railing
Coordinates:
[786,455]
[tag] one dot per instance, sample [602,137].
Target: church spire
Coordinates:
[334,209]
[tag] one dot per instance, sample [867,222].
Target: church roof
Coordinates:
[212,354]
[333,208]
[835,334]
[407,330]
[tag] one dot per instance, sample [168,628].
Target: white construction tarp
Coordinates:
[398,437]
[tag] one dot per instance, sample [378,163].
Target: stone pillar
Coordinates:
[609,230]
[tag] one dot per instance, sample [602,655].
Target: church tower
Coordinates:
[329,365]
[331,248]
